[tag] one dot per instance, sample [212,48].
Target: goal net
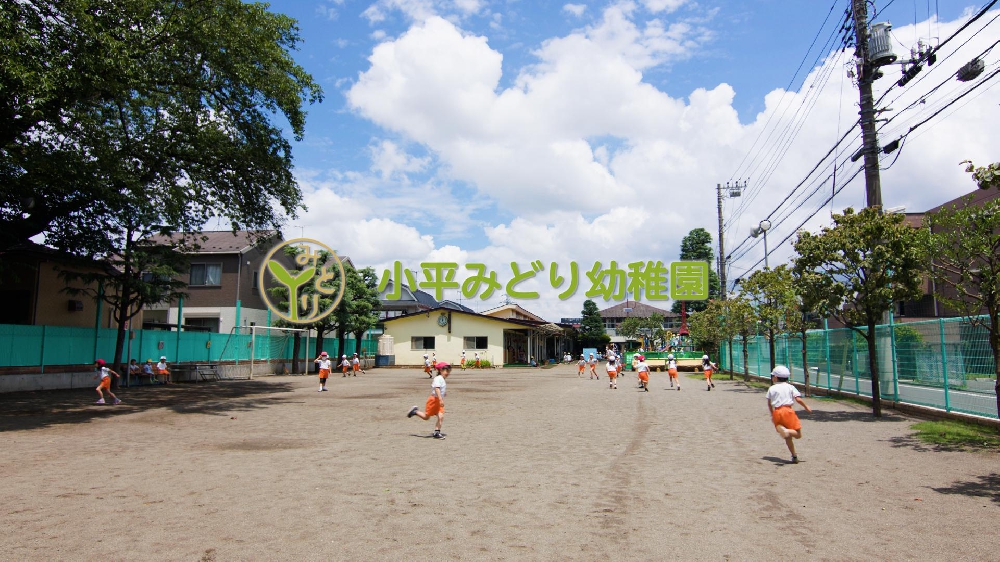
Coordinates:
[262,350]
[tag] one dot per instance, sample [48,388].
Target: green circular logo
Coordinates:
[302,280]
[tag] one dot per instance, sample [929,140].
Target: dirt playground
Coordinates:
[537,465]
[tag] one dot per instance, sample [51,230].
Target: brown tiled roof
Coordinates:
[217,241]
[640,310]
[979,197]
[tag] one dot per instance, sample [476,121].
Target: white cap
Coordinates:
[705,357]
[343,357]
[670,356]
[425,356]
[781,372]
[163,358]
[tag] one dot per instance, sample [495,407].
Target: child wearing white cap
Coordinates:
[780,398]
[345,365]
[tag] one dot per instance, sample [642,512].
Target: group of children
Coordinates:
[352,365]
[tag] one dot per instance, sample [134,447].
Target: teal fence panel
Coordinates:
[945,364]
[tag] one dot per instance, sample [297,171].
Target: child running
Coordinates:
[643,369]
[427,367]
[581,365]
[324,363]
[612,374]
[344,365]
[435,402]
[708,367]
[356,365]
[462,361]
[105,382]
[780,399]
[672,371]
[593,367]
[477,359]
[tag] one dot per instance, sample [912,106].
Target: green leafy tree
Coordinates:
[631,328]
[180,106]
[741,321]
[697,246]
[364,304]
[986,177]
[773,298]
[965,252]
[706,328]
[592,332]
[810,288]
[871,260]
[137,271]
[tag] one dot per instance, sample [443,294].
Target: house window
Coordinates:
[421,342]
[206,274]
[256,281]
[207,324]
[475,342]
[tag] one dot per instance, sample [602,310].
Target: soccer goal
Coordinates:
[262,350]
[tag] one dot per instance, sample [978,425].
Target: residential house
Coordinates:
[613,316]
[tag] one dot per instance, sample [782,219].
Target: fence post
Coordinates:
[826,344]
[854,361]
[41,354]
[756,343]
[944,366]
[895,368]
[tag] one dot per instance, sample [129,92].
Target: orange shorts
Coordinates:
[708,373]
[673,372]
[581,368]
[613,375]
[427,369]
[786,417]
[324,373]
[433,406]
[644,376]
[105,383]
[344,368]
[620,369]
[357,367]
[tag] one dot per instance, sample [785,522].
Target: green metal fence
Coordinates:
[944,363]
[39,346]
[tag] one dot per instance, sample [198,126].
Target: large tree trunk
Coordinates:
[340,341]
[122,308]
[805,360]
[873,370]
[746,362]
[770,346]
[357,341]
[320,331]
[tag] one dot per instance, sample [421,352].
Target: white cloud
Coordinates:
[596,164]
[575,9]
[389,160]
[668,6]
[378,35]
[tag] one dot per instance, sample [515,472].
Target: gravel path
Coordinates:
[537,465]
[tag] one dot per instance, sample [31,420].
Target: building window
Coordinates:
[475,342]
[256,281]
[421,342]
[202,324]
[203,274]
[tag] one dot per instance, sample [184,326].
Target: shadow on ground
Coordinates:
[34,410]
[913,442]
[847,416]
[983,487]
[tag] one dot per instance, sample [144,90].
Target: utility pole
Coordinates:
[734,191]
[722,249]
[866,76]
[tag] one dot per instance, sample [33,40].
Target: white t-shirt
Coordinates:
[427,362]
[162,365]
[642,367]
[582,363]
[612,368]
[439,382]
[324,364]
[105,373]
[671,363]
[782,394]
[355,361]
[593,361]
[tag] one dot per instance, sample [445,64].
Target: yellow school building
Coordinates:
[446,332]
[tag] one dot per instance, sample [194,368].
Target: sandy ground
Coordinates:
[537,465]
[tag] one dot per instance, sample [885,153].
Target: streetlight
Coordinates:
[764,226]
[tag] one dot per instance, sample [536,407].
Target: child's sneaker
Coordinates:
[413,412]
[709,389]
[117,402]
[795,460]
[438,435]
[101,401]
[324,389]
[713,385]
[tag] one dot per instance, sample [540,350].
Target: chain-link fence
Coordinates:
[944,363]
[40,346]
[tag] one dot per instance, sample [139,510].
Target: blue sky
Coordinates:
[501,130]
